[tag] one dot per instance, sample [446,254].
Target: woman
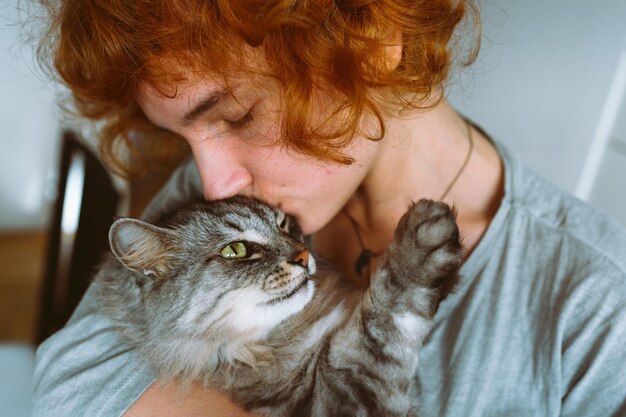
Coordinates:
[335,112]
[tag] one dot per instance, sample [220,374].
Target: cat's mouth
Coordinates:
[290,293]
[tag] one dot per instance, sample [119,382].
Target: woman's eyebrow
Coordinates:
[204,105]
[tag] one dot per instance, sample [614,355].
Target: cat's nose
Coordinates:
[302,258]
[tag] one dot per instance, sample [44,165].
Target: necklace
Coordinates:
[363,260]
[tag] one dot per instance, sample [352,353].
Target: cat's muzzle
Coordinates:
[286,295]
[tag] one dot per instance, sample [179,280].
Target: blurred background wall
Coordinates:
[28,129]
[550,82]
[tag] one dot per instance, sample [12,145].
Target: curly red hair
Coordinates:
[103,49]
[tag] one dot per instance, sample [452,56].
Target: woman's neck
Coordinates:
[418,158]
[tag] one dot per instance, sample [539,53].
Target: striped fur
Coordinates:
[279,340]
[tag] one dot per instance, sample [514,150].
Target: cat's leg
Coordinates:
[370,362]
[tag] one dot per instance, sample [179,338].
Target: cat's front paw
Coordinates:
[426,247]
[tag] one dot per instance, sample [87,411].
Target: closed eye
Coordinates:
[242,122]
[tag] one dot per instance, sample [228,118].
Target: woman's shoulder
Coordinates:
[183,186]
[544,212]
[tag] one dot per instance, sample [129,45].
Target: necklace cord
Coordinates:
[470,139]
[363,260]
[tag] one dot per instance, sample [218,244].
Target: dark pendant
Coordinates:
[363,261]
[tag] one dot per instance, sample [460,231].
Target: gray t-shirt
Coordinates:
[537,328]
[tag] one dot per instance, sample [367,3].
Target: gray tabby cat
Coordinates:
[224,293]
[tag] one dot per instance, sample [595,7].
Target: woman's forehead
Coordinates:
[240,63]
[172,77]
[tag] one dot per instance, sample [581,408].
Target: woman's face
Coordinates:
[233,136]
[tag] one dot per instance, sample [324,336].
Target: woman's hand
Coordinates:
[167,400]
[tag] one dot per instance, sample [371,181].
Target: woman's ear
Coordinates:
[394,47]
[141,247]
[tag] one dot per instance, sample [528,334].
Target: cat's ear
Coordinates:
[141,246]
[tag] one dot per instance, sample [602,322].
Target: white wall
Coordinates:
[28,130]
[602,180]
[539,85]
[542,78]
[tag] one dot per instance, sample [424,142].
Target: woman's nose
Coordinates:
[222,173]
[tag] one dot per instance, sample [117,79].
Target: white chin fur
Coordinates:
[260,318]
[295,303]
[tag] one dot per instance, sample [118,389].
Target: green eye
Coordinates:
[234,250]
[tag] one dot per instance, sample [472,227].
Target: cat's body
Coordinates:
[256,326]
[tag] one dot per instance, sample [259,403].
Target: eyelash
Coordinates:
[241,122]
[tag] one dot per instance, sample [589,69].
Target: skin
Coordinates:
[420,155]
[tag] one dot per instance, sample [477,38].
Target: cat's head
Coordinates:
[234,266]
